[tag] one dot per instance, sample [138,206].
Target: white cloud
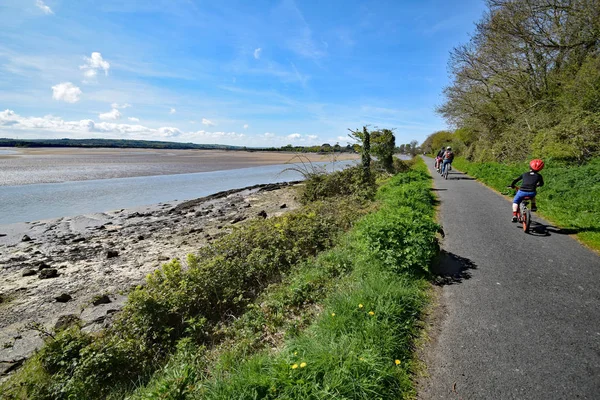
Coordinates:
[66,91]
[113,114]
[93,64]
[90,73]
[133,119]
[169,132]
[87,128]
[47,10]
[172,111]
[311,137]
[246,126]
[269,135]
[257,53]
[294,136]
[120,106]
[207,122]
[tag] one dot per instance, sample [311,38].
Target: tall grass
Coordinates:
[569,197]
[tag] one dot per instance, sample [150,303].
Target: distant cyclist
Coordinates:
[438,158]
[447,158]
[531,181]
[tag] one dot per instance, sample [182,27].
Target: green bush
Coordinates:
[346,182]
[403,240]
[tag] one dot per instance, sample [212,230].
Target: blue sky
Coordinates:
[249,73]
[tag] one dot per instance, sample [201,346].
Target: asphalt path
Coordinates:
[519,314]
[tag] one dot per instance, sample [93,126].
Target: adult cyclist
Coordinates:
[448,157]
[438,159]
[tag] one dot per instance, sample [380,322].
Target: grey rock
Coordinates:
[283,205]
[63,298]
[112,254]
[48,273]
[104,299]
[26,238]
[29,272]
[262,214]
[42,265]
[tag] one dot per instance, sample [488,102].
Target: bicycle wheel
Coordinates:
[526,215]
[445,173]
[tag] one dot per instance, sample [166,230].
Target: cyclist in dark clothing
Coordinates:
[438,158]
[531,181]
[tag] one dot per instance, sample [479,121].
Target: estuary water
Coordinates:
[26,203]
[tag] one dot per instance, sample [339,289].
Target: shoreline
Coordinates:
[83,266]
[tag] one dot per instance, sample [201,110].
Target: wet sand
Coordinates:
[50,165]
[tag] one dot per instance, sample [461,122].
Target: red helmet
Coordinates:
[536,165]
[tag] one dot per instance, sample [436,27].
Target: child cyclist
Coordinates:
[531,181]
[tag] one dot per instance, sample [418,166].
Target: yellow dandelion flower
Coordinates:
[371,313]
[294,366]
[397,362]
[333,314]
[302,365]
[295,353]
[361,359]
[360,306]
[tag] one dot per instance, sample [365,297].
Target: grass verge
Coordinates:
[569,197]
[361,343]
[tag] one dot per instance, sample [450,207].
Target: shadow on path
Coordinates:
[451,269]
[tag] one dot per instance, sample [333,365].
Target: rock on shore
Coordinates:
[80,268]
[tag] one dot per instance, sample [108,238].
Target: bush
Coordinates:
[347,182]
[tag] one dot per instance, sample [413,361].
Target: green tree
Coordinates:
[383,144]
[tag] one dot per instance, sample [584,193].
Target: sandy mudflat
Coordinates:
[47,165]
[107,253]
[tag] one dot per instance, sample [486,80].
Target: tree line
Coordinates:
[527,83]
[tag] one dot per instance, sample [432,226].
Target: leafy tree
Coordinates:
[383,146]
[513,81]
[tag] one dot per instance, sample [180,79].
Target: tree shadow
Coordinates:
[549,229]
[437,190]
[451,269]
[462,178]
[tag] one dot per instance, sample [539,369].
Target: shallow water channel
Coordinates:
[53,200]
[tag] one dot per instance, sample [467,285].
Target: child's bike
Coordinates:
[523,212]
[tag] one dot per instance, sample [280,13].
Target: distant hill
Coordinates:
[150,144]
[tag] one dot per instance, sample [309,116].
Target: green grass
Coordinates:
[361,343]
[568,199]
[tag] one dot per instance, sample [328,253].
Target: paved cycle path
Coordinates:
[520,319]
